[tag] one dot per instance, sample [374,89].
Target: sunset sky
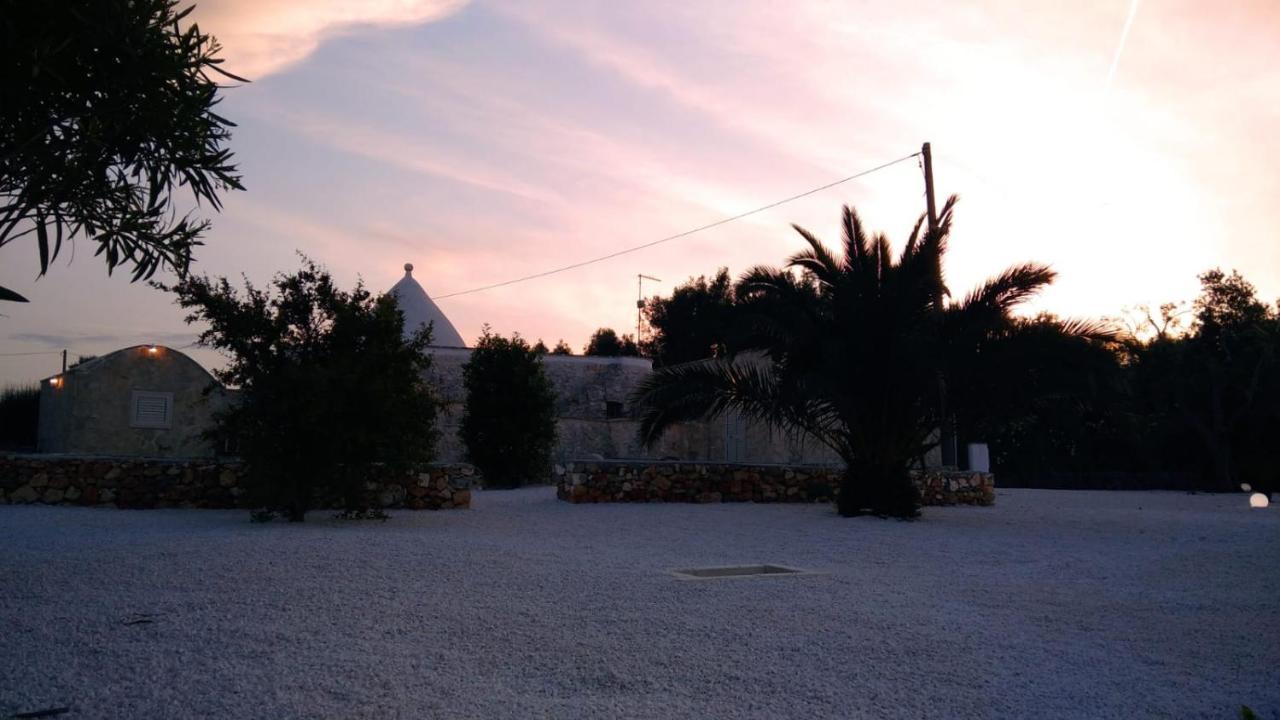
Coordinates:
[485,141]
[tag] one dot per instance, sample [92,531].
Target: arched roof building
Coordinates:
[145,400]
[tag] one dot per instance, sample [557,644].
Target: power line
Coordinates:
[677,236]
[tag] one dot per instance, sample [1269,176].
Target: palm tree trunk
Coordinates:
[878,488]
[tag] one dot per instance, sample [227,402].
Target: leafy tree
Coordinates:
[329,386]
[1228,303]
[540,347]
[1045,394]
[1190,392]
[606,343]
[562,348]
[851,357]
[509,422]
[105,107]
[1217,388]
[692,324]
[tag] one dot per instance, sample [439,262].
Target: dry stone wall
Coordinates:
[611,481]
[198,483]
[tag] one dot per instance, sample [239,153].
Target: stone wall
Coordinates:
[643,481]
[197,483]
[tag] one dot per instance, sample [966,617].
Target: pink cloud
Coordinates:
[260,38]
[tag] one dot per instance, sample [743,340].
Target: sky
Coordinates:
[1129,145]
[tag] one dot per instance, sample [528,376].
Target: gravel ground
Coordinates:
[1049,605]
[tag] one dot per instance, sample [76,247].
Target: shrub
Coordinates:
[330,390]
[19,417]
[508,424]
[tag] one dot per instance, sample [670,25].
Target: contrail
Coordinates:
[1124,36]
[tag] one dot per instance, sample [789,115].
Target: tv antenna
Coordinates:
[640,278]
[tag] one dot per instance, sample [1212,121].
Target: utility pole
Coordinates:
[640,301]
[64,359]
[947,433]
[927,152]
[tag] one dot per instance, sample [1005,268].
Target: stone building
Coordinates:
[141,401]
[594,416]
[155,401]
[420,311]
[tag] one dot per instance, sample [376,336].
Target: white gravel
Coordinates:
[1049,605]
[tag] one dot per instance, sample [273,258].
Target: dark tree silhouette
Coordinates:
[1219,385]
[849,354]
[692,323]
[19,417]
[329,387]
[509,422]
[1043,392]
[606,343]
[1192,406]
[105,107]
[561,348]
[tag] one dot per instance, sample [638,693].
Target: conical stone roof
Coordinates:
[419,310]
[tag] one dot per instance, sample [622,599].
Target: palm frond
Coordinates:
[883,256]
[817,259]
[762,278]
[923,253]
[1015,285]
[1096,330]
[10,296]
[857,247]
[704,390]
[913,240]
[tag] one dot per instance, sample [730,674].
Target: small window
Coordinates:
[151,409]
[612,409]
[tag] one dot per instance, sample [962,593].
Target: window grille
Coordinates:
[151,409]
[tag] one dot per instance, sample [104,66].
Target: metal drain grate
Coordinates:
[737,571]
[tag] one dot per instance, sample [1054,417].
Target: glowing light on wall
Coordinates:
[1259,500]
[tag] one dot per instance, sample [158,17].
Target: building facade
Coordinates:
[154,401]
[141,401]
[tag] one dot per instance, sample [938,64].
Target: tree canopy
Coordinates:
[1187,398]
[328,386]
[106,109]
[1218,385]
[509,421]
[605,342]
[691,324]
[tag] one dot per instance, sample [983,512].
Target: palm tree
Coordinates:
[853,353]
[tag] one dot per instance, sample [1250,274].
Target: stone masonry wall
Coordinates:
[611,481]
[197,483]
